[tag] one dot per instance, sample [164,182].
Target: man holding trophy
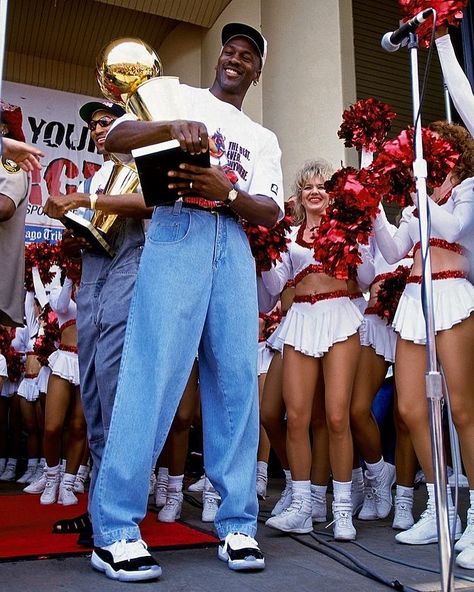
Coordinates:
[103,299]
[195,292]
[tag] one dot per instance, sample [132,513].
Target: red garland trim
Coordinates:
[439,275]
[316,268]
[67,324]
[68,348]
[440,243]
[313,298]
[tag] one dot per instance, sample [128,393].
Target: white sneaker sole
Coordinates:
[152,573]
[303,530]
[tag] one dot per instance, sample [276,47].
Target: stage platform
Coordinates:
[292,565]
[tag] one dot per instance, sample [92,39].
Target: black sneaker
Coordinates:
[241,552]
[126,561]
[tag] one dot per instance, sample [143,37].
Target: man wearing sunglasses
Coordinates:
[103,299]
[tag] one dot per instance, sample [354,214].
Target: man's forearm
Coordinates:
[256,209]
[134,134]
[130,205]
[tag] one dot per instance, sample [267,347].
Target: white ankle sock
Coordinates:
[12,461]
[52,471]
[262,467]
[82,470]
[162,474]
[431,495]
[288,478]
[318,491]
[375,469]
[402,491]
[68,478]
[301,489]
[471,499]
[175,483]
[32,462]
[342,490]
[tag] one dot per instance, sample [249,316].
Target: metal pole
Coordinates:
[433,382]
[3,33]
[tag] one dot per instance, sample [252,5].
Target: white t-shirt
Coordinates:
[248,148]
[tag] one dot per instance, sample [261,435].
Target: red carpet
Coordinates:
[26,530]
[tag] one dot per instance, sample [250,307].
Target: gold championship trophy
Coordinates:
[129,73]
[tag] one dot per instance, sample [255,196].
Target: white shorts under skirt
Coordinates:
[453,301]
[275,342]
[9,388]
[28,389]
[65,365]
[43,379]
[313,328]
[265,355]
[376,333]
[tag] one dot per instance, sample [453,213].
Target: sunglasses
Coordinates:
[103,122]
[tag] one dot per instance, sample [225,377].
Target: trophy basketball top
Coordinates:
[123,65]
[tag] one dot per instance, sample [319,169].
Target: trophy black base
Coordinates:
[85,229]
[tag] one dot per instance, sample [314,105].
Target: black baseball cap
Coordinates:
[232,30]
[87,111]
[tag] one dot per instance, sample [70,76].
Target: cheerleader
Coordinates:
[451,209]
[320,338]
[63,403]
[31,411]
[378,341]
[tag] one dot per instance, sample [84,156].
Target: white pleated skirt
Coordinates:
[275,342]
[43,379]
[265,355]
[28,389]
[313,328]
[65,365]
[376,333]
[453,301]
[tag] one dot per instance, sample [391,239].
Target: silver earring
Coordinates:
[255,82]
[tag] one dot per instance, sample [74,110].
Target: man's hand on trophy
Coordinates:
[57,205]
[191,135]
[209,182]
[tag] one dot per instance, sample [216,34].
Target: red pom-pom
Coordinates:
[365,124]
[43,256]
[389,293]
[267,244]
[391,173]
[449,12]
[346,223]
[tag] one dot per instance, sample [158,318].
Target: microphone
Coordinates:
[392,41]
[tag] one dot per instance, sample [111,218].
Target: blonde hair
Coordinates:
[311,168]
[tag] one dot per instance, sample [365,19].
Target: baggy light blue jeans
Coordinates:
[195,292]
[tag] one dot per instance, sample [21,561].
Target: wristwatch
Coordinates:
[231,196]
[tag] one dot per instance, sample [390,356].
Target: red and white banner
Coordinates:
[51,121]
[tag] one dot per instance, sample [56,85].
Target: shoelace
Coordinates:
[341,515]
[296,504]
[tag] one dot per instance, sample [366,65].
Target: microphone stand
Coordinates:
[434,391]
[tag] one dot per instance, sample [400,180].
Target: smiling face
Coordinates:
[98,134]
[237,67]
[314,198]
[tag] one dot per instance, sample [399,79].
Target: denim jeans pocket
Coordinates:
[168,228]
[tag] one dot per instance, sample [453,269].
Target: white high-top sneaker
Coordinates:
[80,479]
[66,490]
[9,473]
[161,488]
[342,519]
[30,472]
[403,516]
[51,488]
[210,502]
[198,486]
[296,518]
[284,501]
[357,495]
[425,531]
[3,464]
[468,534]
[37,485]
[171,511]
